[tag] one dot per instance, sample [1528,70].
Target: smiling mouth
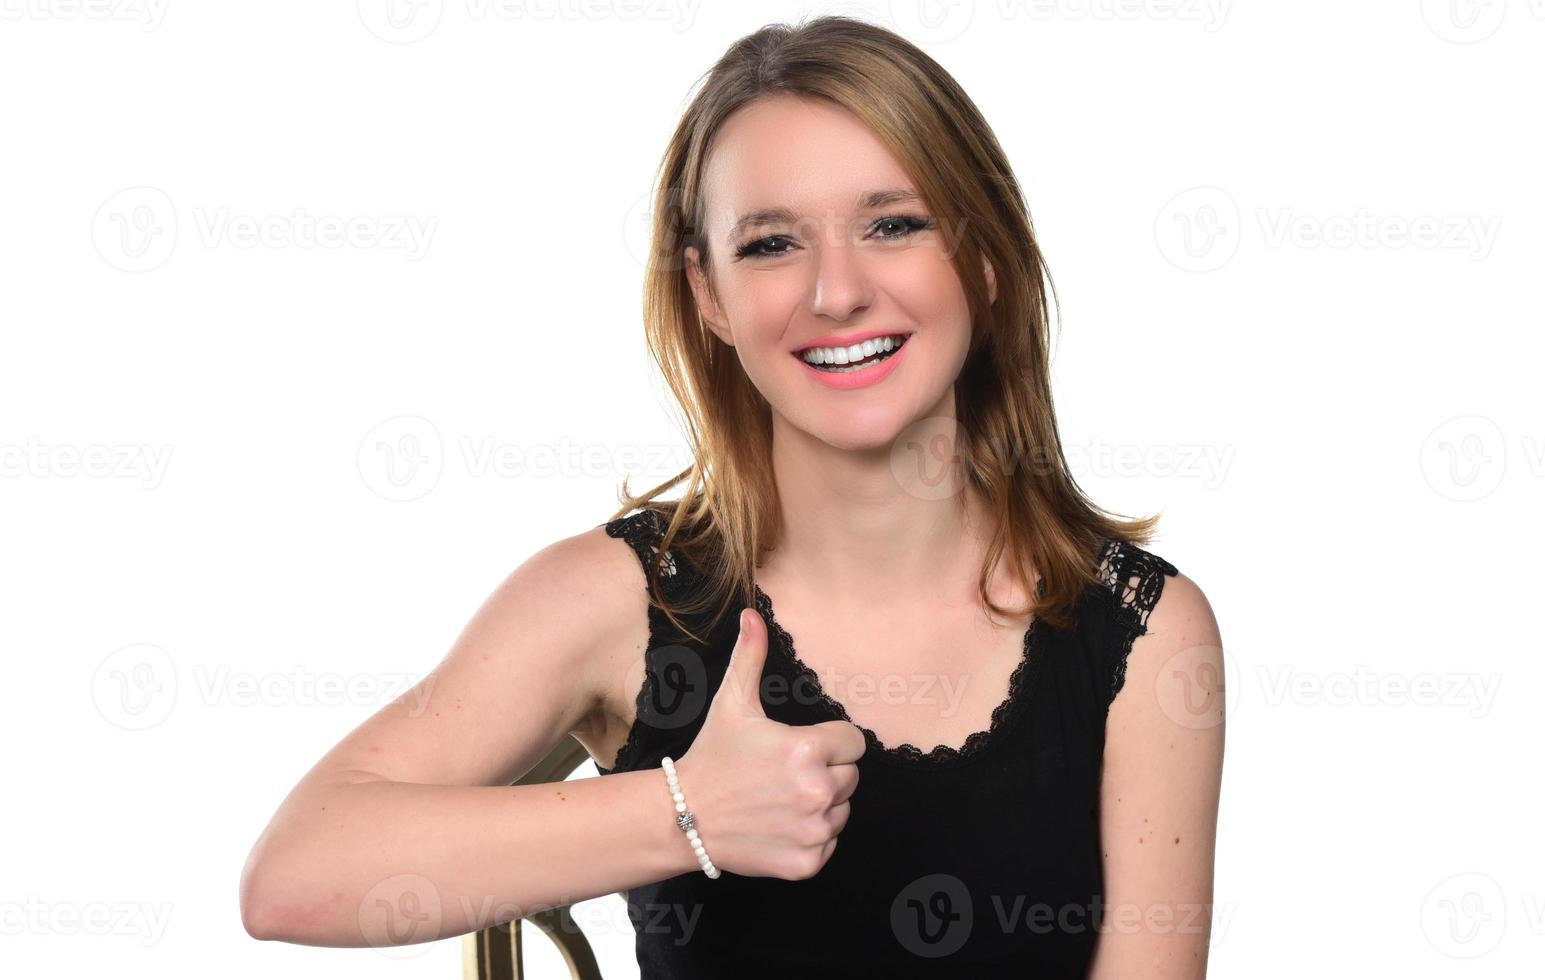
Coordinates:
[845,360]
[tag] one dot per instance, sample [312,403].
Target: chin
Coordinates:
[872,431]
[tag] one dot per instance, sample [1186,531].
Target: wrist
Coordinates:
[685,820]
[656,814]
[659,813]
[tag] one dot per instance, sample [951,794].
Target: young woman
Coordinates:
[918,762]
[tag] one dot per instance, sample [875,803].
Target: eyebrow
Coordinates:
[867,201]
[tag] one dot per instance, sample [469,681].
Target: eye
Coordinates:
[910,224]
[901,225]
[758,248]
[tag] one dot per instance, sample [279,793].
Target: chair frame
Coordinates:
[496,953]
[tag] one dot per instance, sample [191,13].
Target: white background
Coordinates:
[1339,417]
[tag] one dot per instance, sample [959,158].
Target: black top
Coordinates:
[977,863]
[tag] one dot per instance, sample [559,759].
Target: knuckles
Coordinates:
[804,865]
[814,797]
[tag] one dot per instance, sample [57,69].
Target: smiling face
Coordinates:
[817,238]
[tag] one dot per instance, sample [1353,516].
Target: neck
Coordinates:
[889,521]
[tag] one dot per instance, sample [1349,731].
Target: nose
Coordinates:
[842,287]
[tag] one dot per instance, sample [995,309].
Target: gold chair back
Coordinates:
[495,953]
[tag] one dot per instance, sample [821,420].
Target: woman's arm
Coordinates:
[1159,795]
[408,830]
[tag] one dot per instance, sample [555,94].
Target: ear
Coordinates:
[706,307]
[992,281]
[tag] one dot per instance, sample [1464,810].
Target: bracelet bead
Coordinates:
[685,819]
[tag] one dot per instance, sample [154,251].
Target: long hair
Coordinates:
[728,513]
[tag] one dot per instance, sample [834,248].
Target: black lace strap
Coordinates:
[644,530]
[1133,579]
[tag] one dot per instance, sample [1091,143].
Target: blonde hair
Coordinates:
[729,514]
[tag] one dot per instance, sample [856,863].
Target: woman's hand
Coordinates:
[769,799]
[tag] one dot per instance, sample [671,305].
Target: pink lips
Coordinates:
[862,378]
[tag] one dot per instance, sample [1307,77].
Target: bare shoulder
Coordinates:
[1183,616]
[593,586]
[1177,658]
[1160,791]
[591,576]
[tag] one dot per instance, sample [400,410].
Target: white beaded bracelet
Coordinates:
[685,820]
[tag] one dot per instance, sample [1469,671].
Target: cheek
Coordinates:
[930,288]
[761,311]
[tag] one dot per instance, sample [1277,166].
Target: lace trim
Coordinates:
[1134,580]
[941,756]
[643,530]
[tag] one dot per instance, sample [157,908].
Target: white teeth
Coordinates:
[856,352]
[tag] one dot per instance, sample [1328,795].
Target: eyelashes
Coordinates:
[760,248]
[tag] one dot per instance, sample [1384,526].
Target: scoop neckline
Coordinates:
[906,754]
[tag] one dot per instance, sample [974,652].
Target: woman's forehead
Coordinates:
[798,155]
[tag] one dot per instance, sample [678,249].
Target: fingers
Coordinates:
[743,678]
[842,741]
[838,817]
[844,781]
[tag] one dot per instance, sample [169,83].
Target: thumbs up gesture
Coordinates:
[769,798]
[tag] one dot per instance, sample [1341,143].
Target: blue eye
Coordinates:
[763,247]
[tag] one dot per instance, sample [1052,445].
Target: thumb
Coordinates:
[742,685]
